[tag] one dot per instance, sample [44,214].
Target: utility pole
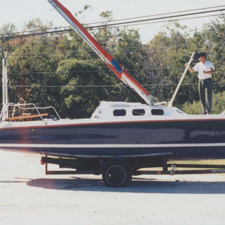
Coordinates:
[5,101]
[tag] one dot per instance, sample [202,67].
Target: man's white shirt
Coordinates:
[200,67]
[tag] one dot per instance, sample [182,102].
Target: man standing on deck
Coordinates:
[204,69]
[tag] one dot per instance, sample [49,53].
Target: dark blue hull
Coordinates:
[189,139]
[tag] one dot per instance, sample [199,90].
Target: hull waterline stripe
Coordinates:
[111,145]
[32,126]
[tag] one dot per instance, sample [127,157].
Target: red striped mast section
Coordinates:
[115,66]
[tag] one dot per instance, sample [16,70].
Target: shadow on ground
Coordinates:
[138,185]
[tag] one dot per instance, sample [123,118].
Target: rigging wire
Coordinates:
[124,19]
[160,18]
[99,82]
[165,21]
[101,86]
[124,50]
[79,51]
[161,14]
[112,86]
[139,17]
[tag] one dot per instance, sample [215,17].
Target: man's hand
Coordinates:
[190,69]
[208,72]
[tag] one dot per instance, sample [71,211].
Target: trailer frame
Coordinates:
[121,168]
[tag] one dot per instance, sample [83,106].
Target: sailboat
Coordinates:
[115,129]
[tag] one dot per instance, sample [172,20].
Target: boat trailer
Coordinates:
[117,171]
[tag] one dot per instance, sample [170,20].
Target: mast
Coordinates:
[115,66]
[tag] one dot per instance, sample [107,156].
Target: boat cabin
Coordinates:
[133,110]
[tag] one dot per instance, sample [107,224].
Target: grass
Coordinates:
[209,161]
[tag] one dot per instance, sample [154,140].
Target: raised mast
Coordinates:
[116,67]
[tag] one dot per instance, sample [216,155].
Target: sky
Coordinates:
[20,12]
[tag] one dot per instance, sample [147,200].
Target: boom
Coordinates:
[116,67]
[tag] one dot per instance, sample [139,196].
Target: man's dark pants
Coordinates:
[205,93]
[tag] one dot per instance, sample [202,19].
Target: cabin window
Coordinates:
[119,112]
[138,112]
[157,112]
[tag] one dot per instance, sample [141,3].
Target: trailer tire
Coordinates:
[116,174]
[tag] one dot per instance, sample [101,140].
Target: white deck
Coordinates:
[104,113]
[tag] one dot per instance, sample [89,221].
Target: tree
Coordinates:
[32,66]
[78,78]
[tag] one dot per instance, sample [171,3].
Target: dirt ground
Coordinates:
[28,196]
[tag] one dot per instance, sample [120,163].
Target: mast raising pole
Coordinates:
[115,66]
[170,103]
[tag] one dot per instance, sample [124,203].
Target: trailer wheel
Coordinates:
[116,174]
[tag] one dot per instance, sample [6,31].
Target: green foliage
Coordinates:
[32,63]
[107,15]
[192,108]
[7,30]
[218,105]
[37,24]
[63,70]
[75,75]
[81,12]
